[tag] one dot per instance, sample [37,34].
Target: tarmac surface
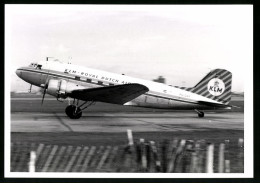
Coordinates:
[121,121]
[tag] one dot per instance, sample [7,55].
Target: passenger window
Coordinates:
[77,77]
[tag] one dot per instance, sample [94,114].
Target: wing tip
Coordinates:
[140,85]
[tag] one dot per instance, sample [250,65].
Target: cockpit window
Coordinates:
[39,66]
[35,65]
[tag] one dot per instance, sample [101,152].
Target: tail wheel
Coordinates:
[73,112]
[200,113]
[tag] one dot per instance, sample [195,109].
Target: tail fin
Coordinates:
[216,85]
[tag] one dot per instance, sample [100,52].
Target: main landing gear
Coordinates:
[200,113]
[74,111]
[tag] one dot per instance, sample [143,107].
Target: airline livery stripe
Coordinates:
[223,100]
[227,80]
[222,96]
[206,92]
[226,77]
[210,76]
[226,99]
[206,81]
[49,73]
[86,80]
[205,87]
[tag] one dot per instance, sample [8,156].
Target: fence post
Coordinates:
[155,157]
[172,156]
[240,158]
[194,162]
[164,154]
[227,161]
[221,158]
[130,138]
[32,161]
[179,154]
[210,158]
[186,158]
[201,153]
[143,156]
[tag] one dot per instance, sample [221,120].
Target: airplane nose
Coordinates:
[18,73]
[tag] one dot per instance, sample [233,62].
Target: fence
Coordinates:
[169,156]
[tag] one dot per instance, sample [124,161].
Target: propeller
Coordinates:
[44,92]
[45,85]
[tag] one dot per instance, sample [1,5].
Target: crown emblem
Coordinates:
[216,83]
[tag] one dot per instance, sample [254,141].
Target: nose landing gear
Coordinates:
[200,113]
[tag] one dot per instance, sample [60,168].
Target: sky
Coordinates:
[180,42]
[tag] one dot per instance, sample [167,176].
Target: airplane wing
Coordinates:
[118,94]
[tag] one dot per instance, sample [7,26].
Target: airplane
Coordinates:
[65,80]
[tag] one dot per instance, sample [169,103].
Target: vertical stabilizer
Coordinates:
[216,85]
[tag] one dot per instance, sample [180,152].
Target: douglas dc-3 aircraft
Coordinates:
[89,85]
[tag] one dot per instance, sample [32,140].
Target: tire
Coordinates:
[70,111]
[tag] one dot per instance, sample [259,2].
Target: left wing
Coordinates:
[118,94]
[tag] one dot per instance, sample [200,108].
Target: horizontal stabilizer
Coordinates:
[214,104]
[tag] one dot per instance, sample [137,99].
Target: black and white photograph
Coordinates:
[128,91]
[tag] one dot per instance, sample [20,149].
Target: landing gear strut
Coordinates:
[74,111]
[200,113]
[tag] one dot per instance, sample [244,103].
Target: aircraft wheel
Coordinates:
[70,111]
[201,114]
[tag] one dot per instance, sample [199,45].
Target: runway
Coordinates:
[103,124]
[121,121]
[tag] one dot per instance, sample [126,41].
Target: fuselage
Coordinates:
[159,95]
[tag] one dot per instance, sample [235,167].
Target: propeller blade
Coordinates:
[45,86]
[44,91]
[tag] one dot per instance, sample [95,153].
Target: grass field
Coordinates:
[121,160]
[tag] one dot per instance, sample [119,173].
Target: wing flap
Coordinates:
[118,94]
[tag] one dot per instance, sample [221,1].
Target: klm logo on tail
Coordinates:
[216,87]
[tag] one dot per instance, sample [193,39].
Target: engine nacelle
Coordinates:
[57,88]
[60,88]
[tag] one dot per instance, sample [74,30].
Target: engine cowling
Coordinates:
[57,88]
[61,88]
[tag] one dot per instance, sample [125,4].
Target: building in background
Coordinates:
[160,79]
